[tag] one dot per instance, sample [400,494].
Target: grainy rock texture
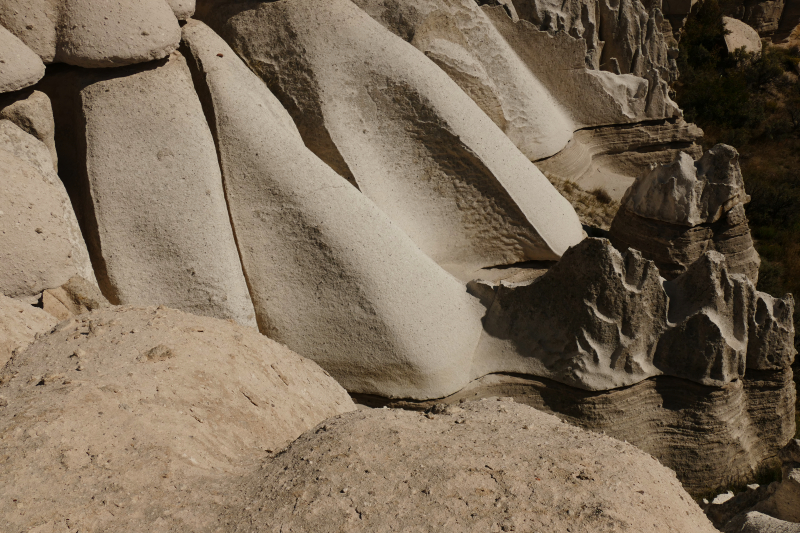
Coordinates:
[382,114]
[41,246]
[762,15]
[593,321]
[621,37]
[75,297]
[183,9]
[711,437]
[152,208]
[784,502]
[741,36]
[755,522]
[19,65]
[31,111]
[611,157]
[126,419]
[330,275]
[92,34]
[483,466]
[680,210]
[19,325]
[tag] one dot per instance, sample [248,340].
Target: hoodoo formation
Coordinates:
[378,265]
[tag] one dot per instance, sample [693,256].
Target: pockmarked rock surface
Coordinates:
[152,208]
[20,323]
[481,466]
[330,275]
[679,211]
[41,246]
[128,419]
[20,67]
[92,34]
[32,112]
[383,115]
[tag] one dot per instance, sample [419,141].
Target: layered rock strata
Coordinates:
[21,66]
[330,275]
[152,208]
[128,419]
[382,114]
[41,246]
[91,34]
[710,436]
[483,466]
[679,211]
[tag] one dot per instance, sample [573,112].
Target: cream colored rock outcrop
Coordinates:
[41,246]
[88,33]
[20,323]
[127,419]
[482,466]
[140,164]
[32,112]
[330,275]
[19,65]
[741,36]
[380,113]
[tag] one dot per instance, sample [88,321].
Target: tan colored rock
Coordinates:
[784,502]
[183,9]
[331,276]
[482,466]
[20,323]
[679,211]
[128,419]
[459,37]
[20,67]
[741,36]
[93,34]
[375,109]
[764,16]
[145,179]
[734,431]
[75,297]
[41,246]
[31,111]
[755,522]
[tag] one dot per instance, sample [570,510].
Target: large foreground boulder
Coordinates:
[125,419]
[91,34]
[383,115]
[41,246]
[152,208]
[483,466]
[20,323]
[330,275]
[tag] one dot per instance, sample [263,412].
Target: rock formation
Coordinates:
[75,297]
[483,466]
[20,323]
[406,134]
[21,66]
[32,112]
[330,275]
[90,34]
[40,243]
[152,209]
[762,15]
[741,36]
[126,419]
[755,522]
[678,211]
[784,502]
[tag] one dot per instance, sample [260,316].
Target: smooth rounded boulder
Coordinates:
[481,466]
[21,67]
[92,34]
[330,275]
[130,419]
[383,115]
